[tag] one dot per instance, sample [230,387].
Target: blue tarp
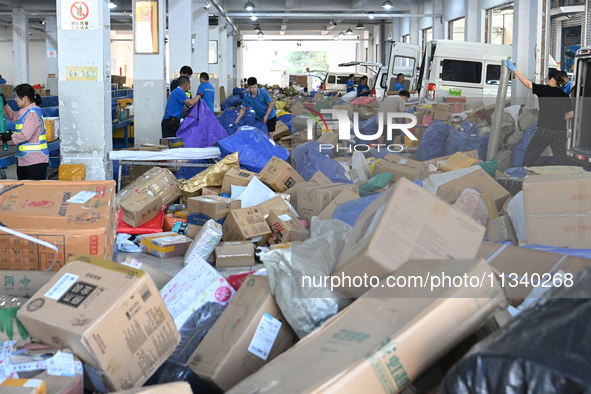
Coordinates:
[254,148]
[239,92]
[200,128]
[441,139]
[228,117]
[432,144]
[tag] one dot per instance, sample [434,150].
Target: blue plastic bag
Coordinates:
[239,92]
[259,124]
[254,148]
[465,140]
[432,144]
[308,159]
[518,153]
[349,211]
[518,172]
[232,101]
[228,117]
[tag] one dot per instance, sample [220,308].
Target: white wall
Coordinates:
[37,57]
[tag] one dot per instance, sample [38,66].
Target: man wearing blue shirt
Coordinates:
[206,90]
[260,101]
[351,83]
[186,71]
[399,86]
[2,80]
[362,88]
[175,107]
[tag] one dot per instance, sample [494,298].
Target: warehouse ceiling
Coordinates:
[275,17]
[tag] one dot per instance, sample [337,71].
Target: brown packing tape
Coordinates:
[213,176]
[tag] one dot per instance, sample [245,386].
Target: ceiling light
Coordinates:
[359,26]
[335,37]
[341,34]
[349,32]
[371,14]
[387,4]
[253,17]
[112,5]
[249,5]
[257,27]
[260,33]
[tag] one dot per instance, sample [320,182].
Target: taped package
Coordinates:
[457,161]
[165,245]
[155,182]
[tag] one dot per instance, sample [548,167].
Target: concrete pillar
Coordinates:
[179,36]
[415,33]
[231,68]
[149,88]
[526,22]
[438,30]
[223,56]
[20,46]
[51,45]
[85,92]
[239,65]
[472,27]
[200,29]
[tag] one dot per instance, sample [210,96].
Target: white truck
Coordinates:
[579,143]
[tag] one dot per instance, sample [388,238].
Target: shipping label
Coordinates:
[265,336]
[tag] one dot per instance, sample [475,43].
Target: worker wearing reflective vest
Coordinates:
[29,137]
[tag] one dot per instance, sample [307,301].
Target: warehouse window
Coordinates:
[461,71]
[500,25]
[404,65]
[427,35]
[456,29]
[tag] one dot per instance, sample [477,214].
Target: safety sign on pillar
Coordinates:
[79,15]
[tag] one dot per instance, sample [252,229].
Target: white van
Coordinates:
[472,67]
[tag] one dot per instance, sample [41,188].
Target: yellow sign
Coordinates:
[76,73]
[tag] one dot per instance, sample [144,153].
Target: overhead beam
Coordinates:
[288,4]
[357,15]
[357,3]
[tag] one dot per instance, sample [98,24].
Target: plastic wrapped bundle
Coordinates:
[473,205]
[306,308]
[545,349]
[156,182]
[205,241]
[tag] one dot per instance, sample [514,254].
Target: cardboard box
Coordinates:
[500,229]
[23,283]
[284,245]
[344,196]
[172,142]
[7,90]
[156,182]
[201,209]
[234,348]
[277,204]
[197,283]
[41,209]
[42,92]
[281,130]
[139,209]
[165,245]
[547,170]
[424,226]
[319,179]
[237,177]
[401,167]
[406,336]
[279,175]
[558,209]
[168,388]
[455,99]
[523,263]
[442,115]
[211,191]
[246,224]
[313,200]
[234,254]
[110,316]
[478,180]
[294,190]
[329,138]
[286,228]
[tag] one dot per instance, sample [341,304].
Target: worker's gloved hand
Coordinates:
[4,102]
[5,137]
[510,65]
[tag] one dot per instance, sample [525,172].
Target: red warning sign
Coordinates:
[79,10]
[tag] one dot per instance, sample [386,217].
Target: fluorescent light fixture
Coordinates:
[387,4]
[349,32]
[371,14]
[112,5]
[249,5]
[359,26]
